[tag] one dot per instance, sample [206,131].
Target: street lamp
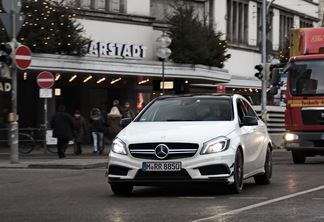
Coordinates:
[163,52]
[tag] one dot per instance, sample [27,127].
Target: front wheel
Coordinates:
[26,143]
[298,157]
[237,186]
[122,189]
[266,177]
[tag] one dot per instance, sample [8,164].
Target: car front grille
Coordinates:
[169,175]
[176,150]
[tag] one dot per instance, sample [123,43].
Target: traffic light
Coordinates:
[6,50]
[5,59]
[259,74]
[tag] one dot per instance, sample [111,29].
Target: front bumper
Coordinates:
[210,168]
[312,142]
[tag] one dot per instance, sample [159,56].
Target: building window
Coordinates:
[269,24]
[286,23]
[304,23]
[102,4]
[237,21]
[117,6]
[86,4]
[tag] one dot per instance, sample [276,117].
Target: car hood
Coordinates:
[192,132]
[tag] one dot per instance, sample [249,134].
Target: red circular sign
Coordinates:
[23,57]
[45,80]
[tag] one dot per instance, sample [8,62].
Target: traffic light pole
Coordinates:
[264,58]
[14,127]
[14,157]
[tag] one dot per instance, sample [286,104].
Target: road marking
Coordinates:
[197,197]
[248,198]
[260,204]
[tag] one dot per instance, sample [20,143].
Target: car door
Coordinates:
[252,137]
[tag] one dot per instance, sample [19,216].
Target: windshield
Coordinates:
[307,78]
[189,109]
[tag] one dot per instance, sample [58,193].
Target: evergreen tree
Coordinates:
[49,27]
[194,42]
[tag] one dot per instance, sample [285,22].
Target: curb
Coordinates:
[57,164]
[63,166]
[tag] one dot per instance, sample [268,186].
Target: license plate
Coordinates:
[164,166]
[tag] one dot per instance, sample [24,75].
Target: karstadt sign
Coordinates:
[5,85]
[117,49]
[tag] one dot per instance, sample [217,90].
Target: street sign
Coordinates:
[23,57]
[45,80]
[12,19]
[14,5]
[45,93]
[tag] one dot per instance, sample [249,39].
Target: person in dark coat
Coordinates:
[97,127]
[80,129]
[63,128]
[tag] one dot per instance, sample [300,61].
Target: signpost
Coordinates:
[12,20]
[45,80]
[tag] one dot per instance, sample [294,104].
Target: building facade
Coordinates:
[122,64]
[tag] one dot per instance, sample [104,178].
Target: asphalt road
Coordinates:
[296,194]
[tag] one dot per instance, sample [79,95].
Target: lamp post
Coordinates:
[163,52]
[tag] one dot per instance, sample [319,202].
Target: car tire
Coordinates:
[266,177]
[238,174]
[122,189]
[298,157]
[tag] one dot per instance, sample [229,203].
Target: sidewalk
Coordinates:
[39,159]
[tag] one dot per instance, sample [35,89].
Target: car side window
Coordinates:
[240,111]
[244,109]
[248,109]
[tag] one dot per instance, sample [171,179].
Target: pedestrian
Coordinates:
[63,128]
[97,127]
[114,117]
[128,112]
[80,129]
[116,104]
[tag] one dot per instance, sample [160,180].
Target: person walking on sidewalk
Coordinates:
[114,117]
[80,128]
[63,128]
[97,127]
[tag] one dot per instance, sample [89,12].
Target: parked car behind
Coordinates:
[212,138]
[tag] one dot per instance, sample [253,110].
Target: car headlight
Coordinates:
[218,144]
[290,137]
[119,147]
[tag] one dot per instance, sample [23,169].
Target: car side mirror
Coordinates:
[125,121]
[249,121]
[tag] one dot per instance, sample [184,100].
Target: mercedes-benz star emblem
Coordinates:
[161,151]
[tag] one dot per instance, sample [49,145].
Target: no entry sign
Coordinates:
[45,80]
[23,57]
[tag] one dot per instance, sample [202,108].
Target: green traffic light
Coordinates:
[258,75]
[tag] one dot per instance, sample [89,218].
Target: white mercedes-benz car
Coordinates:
[214,138]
